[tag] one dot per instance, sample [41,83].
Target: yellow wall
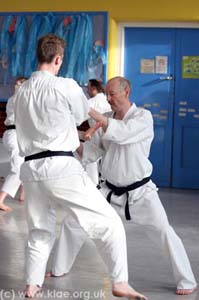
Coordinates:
[112,49]
[126,10]
[119,11]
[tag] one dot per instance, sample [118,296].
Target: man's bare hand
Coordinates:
[99,118]
[89,133]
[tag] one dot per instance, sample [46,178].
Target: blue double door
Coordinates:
[163,67]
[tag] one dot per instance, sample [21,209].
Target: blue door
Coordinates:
[186,113]
[153,89]
[163,67]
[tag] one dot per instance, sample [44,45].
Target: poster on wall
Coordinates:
[190,67]
[147,66]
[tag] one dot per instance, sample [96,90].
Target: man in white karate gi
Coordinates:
[124,143]
[48,109]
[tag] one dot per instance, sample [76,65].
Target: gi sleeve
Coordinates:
[79,104]
[93,149]
[132,130]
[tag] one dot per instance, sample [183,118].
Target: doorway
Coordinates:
[163,67]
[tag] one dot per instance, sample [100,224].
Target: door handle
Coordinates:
[166,78]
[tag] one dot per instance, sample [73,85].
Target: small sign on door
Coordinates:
[147,65]
[161,64]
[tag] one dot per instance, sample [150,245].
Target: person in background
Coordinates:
[98,102]
[48,109]
[12,182]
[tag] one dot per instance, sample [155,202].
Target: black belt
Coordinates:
[10,127]
[118,191]
[48,153]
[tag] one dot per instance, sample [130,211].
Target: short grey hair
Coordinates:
[122,81]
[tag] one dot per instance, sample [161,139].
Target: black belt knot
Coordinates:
[118,191]
[48,153]
[9,127]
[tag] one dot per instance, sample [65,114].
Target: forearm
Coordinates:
[79,150]
[99,118]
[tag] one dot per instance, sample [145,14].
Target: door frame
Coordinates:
[121,28]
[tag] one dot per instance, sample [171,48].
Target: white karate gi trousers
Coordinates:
[90,210]
[146,210]
[12,181]
[92,171]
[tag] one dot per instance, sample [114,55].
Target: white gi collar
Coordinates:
[40,73]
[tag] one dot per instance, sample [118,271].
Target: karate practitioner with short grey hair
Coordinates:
[124,143]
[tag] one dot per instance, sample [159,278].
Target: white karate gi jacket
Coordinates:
[100,103]
[66,103]
[124,147]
